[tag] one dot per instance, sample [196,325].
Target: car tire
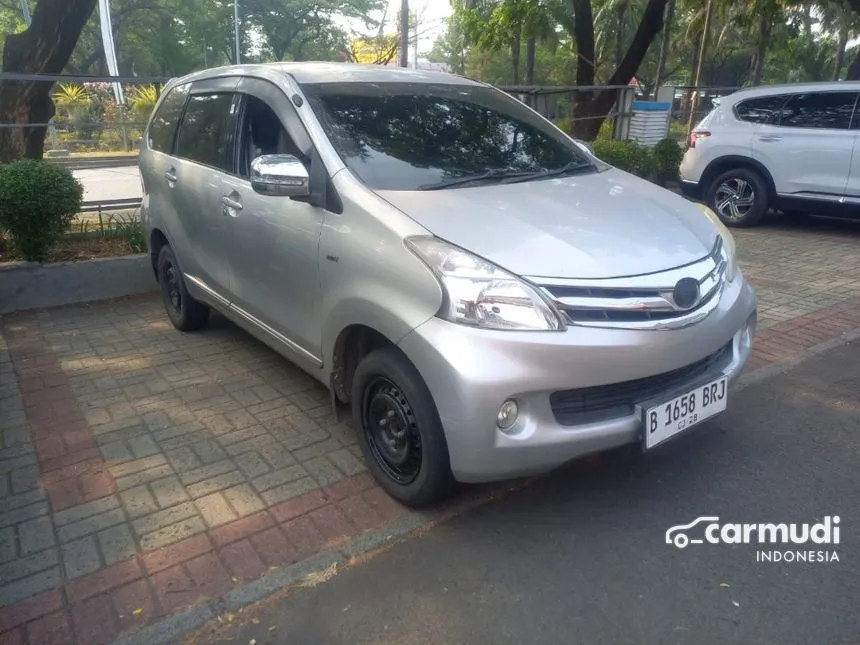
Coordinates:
[186,313]
[399,429]
[739,197]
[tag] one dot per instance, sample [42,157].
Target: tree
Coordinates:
[592,109]
[43,48]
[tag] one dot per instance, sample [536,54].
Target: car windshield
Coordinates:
[417,136]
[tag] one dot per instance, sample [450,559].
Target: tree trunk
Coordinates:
[620,17]
[515,55]
[590,110]
[700,63]
[842,44]
[44,48]
[665,41]
[853,73]
[531,45]
[757,71]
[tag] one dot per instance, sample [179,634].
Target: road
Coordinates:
[580,556]
[110,183]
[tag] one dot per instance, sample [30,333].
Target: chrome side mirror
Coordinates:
[282,175]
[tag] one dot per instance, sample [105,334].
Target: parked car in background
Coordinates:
[490,298]
[789,147]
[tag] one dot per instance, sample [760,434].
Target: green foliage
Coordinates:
[38,201]
[142,100]
[628,156]
[131,229]
[667,156]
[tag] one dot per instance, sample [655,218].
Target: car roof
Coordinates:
[790,88]
[323,72]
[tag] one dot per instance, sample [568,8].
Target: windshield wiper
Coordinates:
[569,168]
[496,174]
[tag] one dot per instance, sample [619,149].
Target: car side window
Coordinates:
[163,124]
[205,130]
[764,109]
[819,110]
[262,133]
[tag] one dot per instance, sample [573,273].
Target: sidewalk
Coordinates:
[143,470]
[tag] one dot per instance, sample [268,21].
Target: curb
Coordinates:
[30,285]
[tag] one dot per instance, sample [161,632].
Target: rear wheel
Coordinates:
[399,429]
[739,197]
[186,313]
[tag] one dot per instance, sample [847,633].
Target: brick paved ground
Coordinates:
[143,470]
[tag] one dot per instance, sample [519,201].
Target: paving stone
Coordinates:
[8,544]
[17,515]
[82,511]
[90,525]
[172,533]
[35,535]
[33,585]
[116,452]
[137,466]
[206,472]
[322,470]
[23,567]
[183,459]
[278,477]
[144,477]
[163,518]
[289,490]
[252,465]
[24,479]
[215,509]
[116,544]
[80,557]
[239,436]
[347,462]
[208,451]
[168,491]
[143,446]
[244,500]
[213,484]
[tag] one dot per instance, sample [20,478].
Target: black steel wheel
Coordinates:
[186,313]
[399,429]
[391,430]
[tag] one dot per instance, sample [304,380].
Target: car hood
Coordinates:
[600,225]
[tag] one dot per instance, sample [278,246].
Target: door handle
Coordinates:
[230,203]
[769,138]
[170,176]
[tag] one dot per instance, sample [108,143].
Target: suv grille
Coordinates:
[603,402]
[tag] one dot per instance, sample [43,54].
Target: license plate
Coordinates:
[664,421]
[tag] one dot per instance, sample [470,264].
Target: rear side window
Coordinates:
[163,123]
[205,130]
[764,109]
[822,110]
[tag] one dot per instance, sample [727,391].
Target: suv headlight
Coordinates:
[729,247]
[480,294]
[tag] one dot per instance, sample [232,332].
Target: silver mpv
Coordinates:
[490,298]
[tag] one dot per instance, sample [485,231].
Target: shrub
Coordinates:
[626,155]
[667,158]
[37,203]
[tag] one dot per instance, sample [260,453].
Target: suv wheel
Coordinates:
[399,429]
[738,197]
[186,313]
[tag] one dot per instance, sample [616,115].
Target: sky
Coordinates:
[431,20]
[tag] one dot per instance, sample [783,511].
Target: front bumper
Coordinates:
[471,372]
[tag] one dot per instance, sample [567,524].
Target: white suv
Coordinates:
[789,147]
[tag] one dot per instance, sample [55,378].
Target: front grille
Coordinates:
[603,402]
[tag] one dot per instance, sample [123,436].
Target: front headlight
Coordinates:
[480,294]
[729,248]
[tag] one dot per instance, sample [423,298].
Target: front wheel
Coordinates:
[739,197]
[399,429]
